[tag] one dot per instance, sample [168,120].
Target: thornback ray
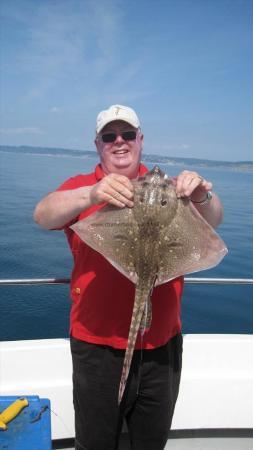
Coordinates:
[162,237]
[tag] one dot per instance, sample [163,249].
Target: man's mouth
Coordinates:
[120,152]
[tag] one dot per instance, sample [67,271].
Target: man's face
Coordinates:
[122,155]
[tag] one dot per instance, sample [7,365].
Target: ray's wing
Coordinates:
[188,244]
[113,233]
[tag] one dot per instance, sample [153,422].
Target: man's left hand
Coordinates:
[191,184]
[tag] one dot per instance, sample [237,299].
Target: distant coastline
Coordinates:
[244,166]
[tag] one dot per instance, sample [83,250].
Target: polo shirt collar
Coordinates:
[99,173]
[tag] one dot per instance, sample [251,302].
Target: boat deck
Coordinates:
[192,440]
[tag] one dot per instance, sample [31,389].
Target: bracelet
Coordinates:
[209,197]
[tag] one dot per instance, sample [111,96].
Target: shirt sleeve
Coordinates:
[70,183]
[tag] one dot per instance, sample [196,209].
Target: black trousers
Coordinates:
[147,405]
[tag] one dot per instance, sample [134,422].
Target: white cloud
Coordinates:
[62,40]
[21,130]
[81,46]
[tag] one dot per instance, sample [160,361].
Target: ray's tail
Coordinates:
[139,306]
[142,300]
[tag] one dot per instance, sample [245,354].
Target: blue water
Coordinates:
[27,251]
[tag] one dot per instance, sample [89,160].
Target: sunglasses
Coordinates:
[111,137]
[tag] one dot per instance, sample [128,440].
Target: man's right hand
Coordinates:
[114,189]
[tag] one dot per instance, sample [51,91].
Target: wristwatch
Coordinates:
[207,199]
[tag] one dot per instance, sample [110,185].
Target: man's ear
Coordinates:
[97,144]
[142,139]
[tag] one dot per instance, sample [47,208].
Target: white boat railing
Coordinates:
[188,280]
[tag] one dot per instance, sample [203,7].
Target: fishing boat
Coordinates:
[215,404]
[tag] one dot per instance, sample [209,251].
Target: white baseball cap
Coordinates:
[117,112]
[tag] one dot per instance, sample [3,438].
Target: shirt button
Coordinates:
[77,290]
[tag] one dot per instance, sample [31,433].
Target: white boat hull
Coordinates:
[216,388]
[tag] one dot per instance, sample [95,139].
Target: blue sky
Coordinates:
[185,66]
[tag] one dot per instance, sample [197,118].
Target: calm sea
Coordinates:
[29,252]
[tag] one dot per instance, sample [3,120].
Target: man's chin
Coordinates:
[122,166]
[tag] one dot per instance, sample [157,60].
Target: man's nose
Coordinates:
[119,139]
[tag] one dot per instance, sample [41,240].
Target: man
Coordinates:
[102,299]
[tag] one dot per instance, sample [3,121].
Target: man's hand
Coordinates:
[115,189]
[191,184]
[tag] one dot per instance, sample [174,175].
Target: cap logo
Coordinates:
[117,110]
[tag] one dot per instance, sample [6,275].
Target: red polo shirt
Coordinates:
[102,298]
